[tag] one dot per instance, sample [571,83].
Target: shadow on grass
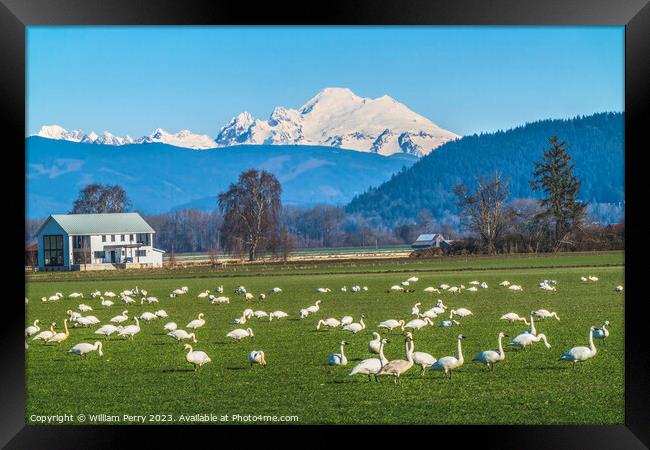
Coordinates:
[176,370]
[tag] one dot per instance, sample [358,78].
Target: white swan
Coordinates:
[447,364]
[461,312]
[45,335]
[196,358]
[374,344]
[581,354]
[130,330]
[415,311]
[121,318]
[32,329]
[416,324]
[240,334]
[397,367]
[170,326]
[602,333]
[84,308]
[526,339]
[512,317]
[196,323]
[544,314]
[430,290]
[83,348]
[59,338]
[355,327]
[532,329]
[278,315]
[148,316]
[314,308]
[107,330]
[257,357]
[161,313]
[204,294]
[346,320]
[106,303]
[391,324]
[179,335]
[421,359]
[491,357]
[330,322]
[338,359]
[371,366]
[219,300]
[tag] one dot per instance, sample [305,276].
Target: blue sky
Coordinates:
[131,80]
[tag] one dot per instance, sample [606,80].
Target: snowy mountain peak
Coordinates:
[184,138]
[338,117]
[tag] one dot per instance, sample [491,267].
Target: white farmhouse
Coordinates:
[96,242]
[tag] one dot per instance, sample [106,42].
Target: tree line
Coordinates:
[249,219]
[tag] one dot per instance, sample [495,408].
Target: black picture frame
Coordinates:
[15,15]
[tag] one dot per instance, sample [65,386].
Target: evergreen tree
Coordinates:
[554,176]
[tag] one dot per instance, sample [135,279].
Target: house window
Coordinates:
[100,255]
[103,238]
[122,238]
[132,237]
[53,250]
[140,253]
[144,238]
[112,238]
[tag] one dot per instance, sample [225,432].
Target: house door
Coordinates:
[113,256]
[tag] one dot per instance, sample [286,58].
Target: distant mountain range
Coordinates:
[160,177]
[595,142]
[334,118]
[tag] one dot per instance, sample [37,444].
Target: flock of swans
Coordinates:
[375,366]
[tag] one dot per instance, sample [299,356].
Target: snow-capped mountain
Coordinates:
[184,138]
[337,117]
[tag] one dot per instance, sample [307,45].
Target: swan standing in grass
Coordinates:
[204,294]
[515,287]
[32,329]
[303,313]
[444,287]
[259,314]
[447,364]
[85,321]
[396,287]
[121,318]
[60,338]
[430,313]
[355,327]
[421,359]
[372,366]
[512,317]
[278,315]
[413,279]
[526,339]
[83,348]
[261,297]
[84,308]
[544,314]
[45,335]
[314,308]
[461,312]
[416,324]
[110,294]
[257,357]
[430,290]
[330,322]
[323,290]
[346,320]
[491,357]
[581,354]
[483,285]
[179,335]
[240,334]
[602,333]
[219,300]
[130,330]
[147,316]
[108,329]
[415,311]
[391,324]
[161,313]
[338,359]
[196,323]
[504,283]
[397,367]
[532,329]
[170,326]
[449,323]
[275,290]
[106,303]
[196,358]
[76,295]
[374,344]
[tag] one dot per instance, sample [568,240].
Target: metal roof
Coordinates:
[427,237]
[114,223]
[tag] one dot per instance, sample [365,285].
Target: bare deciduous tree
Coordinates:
[484,212]
[251,209]
[99,198]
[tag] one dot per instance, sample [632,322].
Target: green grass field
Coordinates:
[150,374]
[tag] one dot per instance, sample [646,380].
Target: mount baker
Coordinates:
[335,117]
